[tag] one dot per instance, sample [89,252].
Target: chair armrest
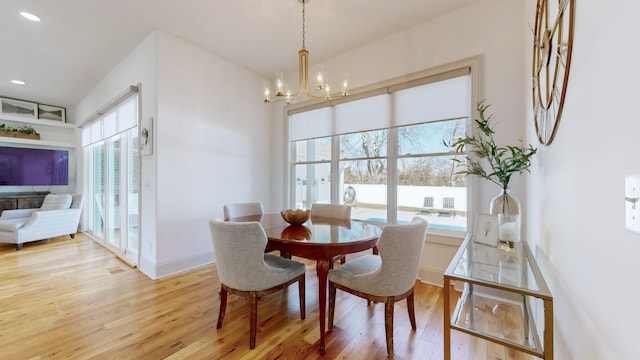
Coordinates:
[58,222]
[17,214]
[54,216]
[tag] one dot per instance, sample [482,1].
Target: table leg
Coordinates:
[322,270]
[447,319]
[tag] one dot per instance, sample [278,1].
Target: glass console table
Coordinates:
[504,293]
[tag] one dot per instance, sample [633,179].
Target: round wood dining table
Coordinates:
[319,239]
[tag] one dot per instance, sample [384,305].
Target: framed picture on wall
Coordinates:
[486,229]
[19,108]
[49,112]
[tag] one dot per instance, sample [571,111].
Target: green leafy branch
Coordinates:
[503,161]
[23,129]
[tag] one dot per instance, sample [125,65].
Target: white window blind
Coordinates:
[446,99]
[96,131]
[110,124]
[310,124]
[127,114]
[362,115]
[119,118]
[438,100]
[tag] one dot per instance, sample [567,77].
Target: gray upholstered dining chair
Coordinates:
[332,211]
[245,270]
[236,210]
[387,278]
[242,209]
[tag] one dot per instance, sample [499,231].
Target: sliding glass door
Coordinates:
[112,164]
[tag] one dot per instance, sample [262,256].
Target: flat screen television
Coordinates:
[24,166]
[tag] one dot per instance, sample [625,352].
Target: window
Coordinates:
[428,202]
[312,172]
[384,154]
[447,203]
[363,166]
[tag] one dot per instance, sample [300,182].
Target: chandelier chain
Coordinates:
[303,25]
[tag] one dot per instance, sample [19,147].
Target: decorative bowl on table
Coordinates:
[295,216]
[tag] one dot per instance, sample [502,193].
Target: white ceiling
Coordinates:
[79,41]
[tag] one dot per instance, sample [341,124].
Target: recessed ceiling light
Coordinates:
[18,82]
[29,16]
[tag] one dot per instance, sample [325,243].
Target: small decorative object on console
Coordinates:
[496,164]
[296,216]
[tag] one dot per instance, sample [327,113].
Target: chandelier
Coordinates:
[282,90]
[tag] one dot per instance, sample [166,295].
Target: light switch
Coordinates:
[632,202]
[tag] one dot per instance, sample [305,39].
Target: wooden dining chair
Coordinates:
[386,278]
[245,270]
[332,211]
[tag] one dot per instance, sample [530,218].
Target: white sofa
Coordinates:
[59,215]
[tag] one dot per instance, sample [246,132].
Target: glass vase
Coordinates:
[507,208]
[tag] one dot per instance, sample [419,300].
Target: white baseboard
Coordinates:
[160,270]
[431,276]
[148,267]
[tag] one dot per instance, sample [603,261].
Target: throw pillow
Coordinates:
[56,202]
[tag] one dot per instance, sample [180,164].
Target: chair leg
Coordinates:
[19,246]
[332,305]
[411,309]
[388,324]
[223,307]
[253,318]
[301,295]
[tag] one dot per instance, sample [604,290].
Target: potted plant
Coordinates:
[21,132]
[494,163]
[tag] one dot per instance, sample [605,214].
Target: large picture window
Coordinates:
[385,154]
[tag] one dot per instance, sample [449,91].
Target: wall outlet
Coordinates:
[632,202]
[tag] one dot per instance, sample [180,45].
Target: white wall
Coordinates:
[463,34]
[576,193]
[139,67]
[209,145]
[213,148]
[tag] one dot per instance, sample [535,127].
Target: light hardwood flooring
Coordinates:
[72,299]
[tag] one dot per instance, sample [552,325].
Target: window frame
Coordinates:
[471,65]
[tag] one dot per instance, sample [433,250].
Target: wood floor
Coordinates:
[72,299]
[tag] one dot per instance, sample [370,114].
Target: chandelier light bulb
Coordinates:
[279,84]
[319,70]
[267,92]
[345,83]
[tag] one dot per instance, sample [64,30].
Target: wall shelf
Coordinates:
[44,122]
[35,142]
[62,129]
